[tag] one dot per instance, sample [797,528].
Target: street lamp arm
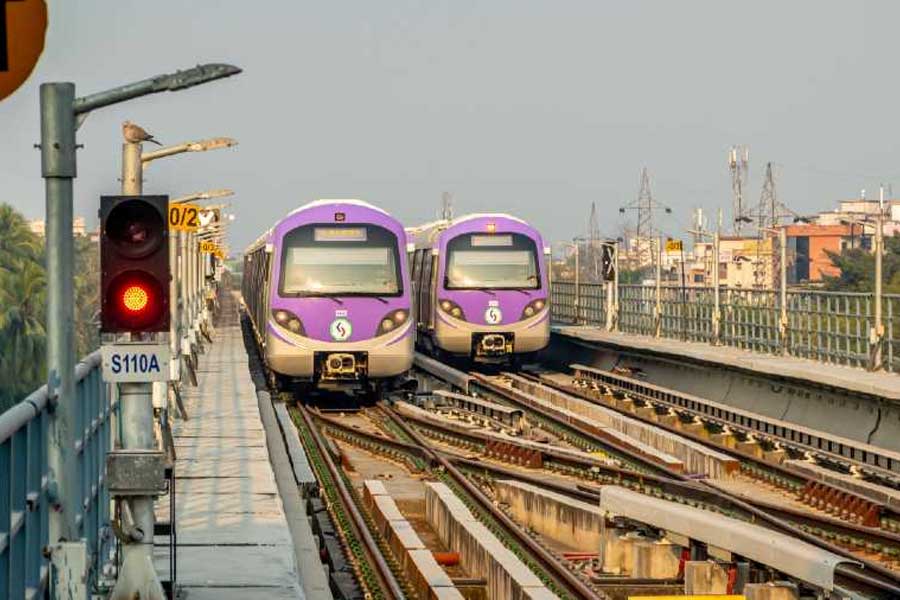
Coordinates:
[171,82]
[201,146]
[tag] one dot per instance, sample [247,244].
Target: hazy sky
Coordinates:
[535,108]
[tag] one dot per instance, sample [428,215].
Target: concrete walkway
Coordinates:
[885,385]
[233,539]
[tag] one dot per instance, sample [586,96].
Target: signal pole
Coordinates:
[61,115]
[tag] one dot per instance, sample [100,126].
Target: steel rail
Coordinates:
[680,401]
[391,585]
[760,510]
[566,578]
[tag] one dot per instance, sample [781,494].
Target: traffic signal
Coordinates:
[134,264]
[608,262]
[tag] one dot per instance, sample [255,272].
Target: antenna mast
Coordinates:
[739,165]
[447,206]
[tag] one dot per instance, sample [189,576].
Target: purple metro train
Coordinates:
[326,292]
[480,287]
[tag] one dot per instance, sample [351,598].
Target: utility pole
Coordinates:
[717,310]
[739,165]
[577,285]
[657,313]
[782,268]
[877,335]
[595,252]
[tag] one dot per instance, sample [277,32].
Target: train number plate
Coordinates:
[135,362]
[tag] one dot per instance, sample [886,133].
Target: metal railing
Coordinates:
[833,327]
[26,483]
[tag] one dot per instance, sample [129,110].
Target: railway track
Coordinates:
[876,549]
[468,460]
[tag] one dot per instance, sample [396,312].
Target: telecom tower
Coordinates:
[447,206]
[645,230]
[739,165]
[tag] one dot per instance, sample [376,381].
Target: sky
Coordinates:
[535,108]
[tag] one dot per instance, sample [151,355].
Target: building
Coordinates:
[744,262]
[808,246]
[38,227]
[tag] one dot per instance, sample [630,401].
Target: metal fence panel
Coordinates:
[25,481]
[831,327]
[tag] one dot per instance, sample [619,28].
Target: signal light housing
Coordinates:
[134,264]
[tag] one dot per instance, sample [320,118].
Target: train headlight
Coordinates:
[533,308]
[289,321]
[392,321]
[453,309]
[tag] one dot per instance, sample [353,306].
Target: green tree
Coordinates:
[23,289]
[22,333]
[857,269]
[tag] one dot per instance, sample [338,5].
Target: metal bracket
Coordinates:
[136,472]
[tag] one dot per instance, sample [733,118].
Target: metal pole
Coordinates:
[683,295]
[613,319]
[878,331]
[783,320]
[717,310]
[577,288]
[137,577]
[657,314]
[58,170]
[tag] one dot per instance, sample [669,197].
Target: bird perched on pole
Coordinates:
[135,134]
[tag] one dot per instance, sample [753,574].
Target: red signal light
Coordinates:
[135,298]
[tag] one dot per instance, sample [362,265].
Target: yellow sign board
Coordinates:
[209,248]
[184,217]
[673,246]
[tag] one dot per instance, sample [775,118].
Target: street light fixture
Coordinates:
[201,146]
[207,195]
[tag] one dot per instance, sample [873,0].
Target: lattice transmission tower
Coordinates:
[645,229]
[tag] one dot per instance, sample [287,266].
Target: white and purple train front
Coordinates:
[481,287]
[325,291]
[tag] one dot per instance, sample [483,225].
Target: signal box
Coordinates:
[134,264]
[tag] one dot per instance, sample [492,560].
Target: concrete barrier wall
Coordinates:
[570,522]
[481,553]
[427,577]
[695,457]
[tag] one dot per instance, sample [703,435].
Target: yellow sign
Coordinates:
[23,25]
[209,247]
[184,217]
[673,246]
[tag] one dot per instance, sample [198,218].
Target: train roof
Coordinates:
[262,239]
[429,231]
[327,201]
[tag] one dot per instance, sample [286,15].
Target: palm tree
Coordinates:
[22,333]
[16,239]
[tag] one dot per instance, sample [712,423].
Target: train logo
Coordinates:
[341,329]
[493,315]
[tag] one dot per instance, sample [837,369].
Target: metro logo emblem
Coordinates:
[493,315]
[341,329]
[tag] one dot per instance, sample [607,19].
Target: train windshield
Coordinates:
[494,261]
[360,260]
